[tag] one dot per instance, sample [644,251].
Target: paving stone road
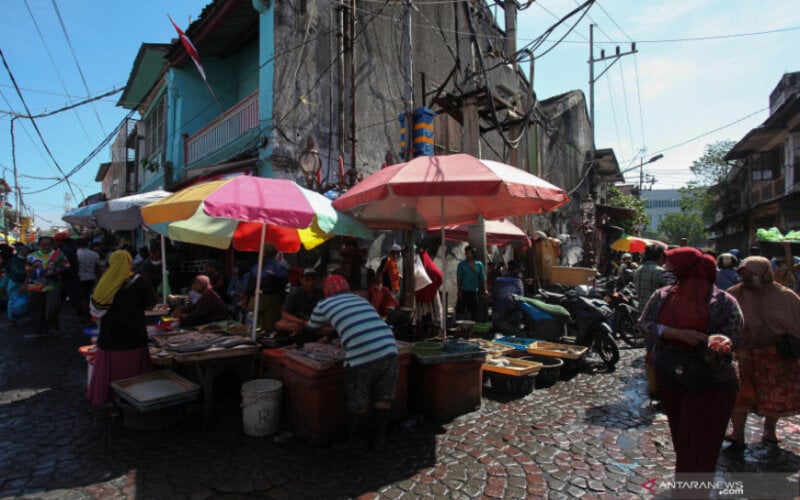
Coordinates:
[594,436]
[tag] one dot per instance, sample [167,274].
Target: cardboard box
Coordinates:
[572,276]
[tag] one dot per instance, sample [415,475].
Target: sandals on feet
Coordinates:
[735,445]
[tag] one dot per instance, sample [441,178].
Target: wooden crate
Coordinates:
[556,350]
[516,367]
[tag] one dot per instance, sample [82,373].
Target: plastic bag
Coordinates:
[421,278]
[771,234]
[792,236]
[19,306]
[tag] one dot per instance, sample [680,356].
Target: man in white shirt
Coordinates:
[88,260]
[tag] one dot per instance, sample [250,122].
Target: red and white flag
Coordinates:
[190,48]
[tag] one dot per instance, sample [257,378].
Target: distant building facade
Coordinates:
[659,203]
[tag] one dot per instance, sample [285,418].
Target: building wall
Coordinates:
[307,80]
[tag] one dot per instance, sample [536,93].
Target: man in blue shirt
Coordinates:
[370,356]
[471,278]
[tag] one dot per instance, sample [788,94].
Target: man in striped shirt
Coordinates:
[370,355]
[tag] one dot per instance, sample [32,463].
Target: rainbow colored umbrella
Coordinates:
[246,212]
[634,244]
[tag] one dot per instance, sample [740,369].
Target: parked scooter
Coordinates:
[569,318]
[624,302]
[626,311]
[590,326]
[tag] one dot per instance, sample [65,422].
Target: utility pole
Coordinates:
[592,79]
[408,106]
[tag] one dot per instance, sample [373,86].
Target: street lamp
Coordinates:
[310,163]
[641,170]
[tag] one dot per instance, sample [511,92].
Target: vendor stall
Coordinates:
[208,354]
[314,396]
[446,383]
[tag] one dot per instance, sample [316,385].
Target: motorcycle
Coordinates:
[567,318]
[591,327]
[626,311]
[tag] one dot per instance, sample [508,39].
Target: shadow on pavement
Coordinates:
[52,438]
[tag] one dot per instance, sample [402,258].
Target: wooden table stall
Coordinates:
[208,364]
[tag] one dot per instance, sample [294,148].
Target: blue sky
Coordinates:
[696,71]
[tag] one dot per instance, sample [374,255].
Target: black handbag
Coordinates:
[695,369]
[788,346]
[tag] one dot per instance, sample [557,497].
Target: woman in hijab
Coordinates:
[770,383]
[694,316]
[208,308]
[119,300]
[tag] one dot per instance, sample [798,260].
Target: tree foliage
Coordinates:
[679,225]
[697,199]
[710,169]
[617,199]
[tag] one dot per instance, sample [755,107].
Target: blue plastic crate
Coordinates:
[518,343]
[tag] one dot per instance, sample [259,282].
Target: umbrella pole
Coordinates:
[164,276]
[258,280]
[444,268]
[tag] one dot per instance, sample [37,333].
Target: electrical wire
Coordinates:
[704,134]
[33,122]
[55,67]
[77,64]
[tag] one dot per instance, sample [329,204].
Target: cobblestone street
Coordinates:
[594,436]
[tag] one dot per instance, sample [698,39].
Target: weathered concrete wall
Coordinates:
[307,78]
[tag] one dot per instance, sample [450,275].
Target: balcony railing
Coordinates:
[231,125]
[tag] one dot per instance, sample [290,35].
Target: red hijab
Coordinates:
[686,305]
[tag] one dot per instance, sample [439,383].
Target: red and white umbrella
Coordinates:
[498,232]
[437,191]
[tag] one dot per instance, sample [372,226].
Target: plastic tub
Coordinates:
[482,328]
[427,348]
[509,384]
[550,372]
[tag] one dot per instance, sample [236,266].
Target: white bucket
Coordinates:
[261,406]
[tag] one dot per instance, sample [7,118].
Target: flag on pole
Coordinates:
[190,48]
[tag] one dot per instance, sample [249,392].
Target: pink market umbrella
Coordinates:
[498,232]
[437,191]
[267,202]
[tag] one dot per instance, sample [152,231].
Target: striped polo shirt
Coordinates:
[364,335]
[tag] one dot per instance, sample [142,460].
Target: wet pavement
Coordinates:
[593,436]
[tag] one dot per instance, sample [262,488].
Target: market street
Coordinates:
[590,437]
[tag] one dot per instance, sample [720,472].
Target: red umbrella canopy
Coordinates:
[431,191]
[498,232]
